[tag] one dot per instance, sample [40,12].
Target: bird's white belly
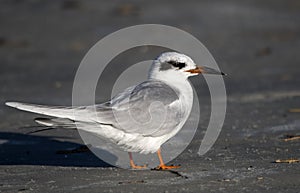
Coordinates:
[128,141]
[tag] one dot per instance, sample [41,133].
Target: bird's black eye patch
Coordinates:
[177,64]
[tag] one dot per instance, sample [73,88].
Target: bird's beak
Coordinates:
[204,70]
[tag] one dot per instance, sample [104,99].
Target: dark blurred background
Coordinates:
[256,43]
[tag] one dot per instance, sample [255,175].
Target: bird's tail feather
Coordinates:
[56,122]
[54,111]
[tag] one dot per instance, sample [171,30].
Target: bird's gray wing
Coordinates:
[151,108]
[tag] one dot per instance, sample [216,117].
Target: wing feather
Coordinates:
[151,108]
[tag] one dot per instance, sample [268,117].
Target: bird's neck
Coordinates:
[175,80]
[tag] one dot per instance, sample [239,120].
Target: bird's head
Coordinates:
[179,65]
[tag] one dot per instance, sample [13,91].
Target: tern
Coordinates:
[142,117]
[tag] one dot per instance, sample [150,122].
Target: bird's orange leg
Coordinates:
[162,165]
[132,164]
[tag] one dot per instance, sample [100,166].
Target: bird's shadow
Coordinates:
[25,149]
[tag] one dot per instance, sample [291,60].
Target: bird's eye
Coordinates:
[177,64]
